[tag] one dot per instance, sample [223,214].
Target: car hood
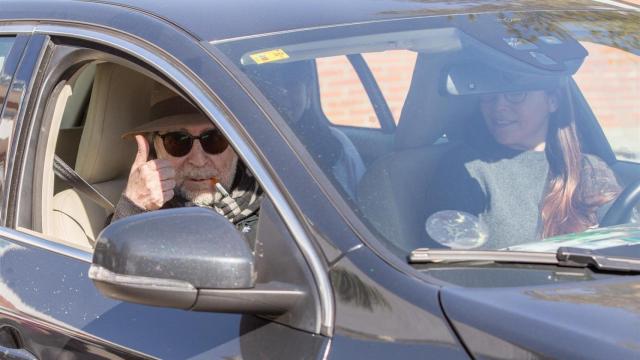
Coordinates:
[594,319]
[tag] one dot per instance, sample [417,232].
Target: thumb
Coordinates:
[143,151]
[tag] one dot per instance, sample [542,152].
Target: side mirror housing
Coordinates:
[187,258]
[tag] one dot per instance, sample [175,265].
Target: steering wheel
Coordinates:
[621,210]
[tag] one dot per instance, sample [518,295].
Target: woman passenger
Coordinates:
[528,178]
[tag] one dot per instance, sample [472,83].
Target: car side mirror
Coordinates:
[187,258]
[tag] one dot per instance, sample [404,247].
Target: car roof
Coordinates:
[218,20]
[215,20]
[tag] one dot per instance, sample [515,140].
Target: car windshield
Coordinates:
[476,131]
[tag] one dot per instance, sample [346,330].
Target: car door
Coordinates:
[49,306]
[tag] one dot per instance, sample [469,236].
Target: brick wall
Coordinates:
[610,81]
[345,101]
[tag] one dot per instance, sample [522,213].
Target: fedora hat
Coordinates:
[170,114]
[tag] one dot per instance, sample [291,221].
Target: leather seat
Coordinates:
[120,100]
[393,193]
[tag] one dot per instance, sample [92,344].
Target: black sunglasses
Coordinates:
[179,143]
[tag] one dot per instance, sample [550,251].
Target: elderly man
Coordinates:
[183,160]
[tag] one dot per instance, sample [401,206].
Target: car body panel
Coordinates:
[587,320]
[56,291]
[378,305]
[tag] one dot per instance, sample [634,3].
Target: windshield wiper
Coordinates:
[565,256]
[577,257]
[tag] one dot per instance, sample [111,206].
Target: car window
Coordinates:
[87,111]
[617,111]
[6,126]
[343,98]
[496,147]
[90,113]
[393,71]
[5,46]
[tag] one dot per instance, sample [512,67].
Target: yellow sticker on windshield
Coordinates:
[269,56]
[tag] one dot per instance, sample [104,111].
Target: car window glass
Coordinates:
[521,161]
[392,70]
[343,98]
[6,126]
[5,46]
[604,73]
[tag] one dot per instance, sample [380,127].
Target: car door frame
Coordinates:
[21,79]
[192,86]
[199,92]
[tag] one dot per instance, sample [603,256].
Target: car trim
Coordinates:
[21,236]
[190,84]
[16,29]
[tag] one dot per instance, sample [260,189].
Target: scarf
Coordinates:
[242,201]
[244,198]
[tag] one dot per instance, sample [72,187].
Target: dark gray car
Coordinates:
[348,114]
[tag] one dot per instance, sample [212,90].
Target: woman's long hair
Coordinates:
[566,208]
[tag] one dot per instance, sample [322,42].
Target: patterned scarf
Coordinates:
[244,198]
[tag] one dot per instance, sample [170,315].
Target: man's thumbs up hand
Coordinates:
[151,182]
[142,155]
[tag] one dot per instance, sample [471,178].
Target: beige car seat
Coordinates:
[72,110]
[120,100]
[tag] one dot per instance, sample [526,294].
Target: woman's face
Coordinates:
[519,120]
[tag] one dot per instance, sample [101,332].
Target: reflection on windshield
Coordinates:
[496,121]
[623,295]
[593,239]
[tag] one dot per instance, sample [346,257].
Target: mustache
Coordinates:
[197,174]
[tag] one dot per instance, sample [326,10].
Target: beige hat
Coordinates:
[170,114]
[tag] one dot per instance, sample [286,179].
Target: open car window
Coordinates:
[85,160]
[459,176]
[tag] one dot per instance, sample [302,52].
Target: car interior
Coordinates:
[420,143]
[394,190]
[102,101]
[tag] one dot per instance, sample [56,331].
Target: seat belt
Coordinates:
[68,175]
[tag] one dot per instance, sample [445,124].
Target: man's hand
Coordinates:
[151,182]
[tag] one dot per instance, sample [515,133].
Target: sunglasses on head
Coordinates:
[514,97]
[179,143]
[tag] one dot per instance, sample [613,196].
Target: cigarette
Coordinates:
[221,189]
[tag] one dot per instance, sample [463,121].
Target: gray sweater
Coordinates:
[505,188]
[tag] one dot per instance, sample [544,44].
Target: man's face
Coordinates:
[196,170]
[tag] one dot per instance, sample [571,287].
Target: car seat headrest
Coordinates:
[427,113]
[120,100]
